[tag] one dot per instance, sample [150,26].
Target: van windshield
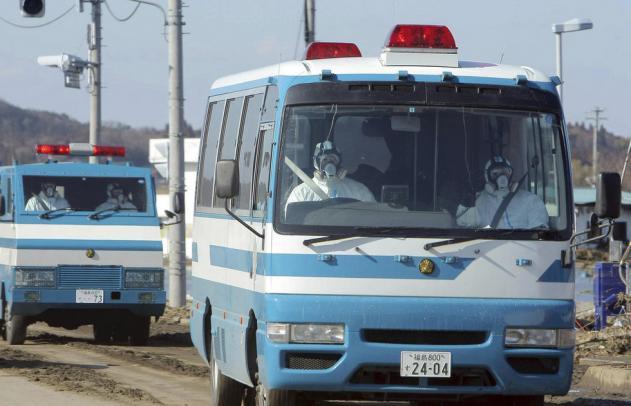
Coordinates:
[420,169]
[80,193]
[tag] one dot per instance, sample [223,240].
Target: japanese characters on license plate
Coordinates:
[89,296]
[426,364]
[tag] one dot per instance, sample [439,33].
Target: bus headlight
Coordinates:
[306,333]
[537,337]
[35,278]
[144,279]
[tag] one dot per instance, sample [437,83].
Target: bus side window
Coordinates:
[247,145]
[263,162]
[208,154]
[229,135]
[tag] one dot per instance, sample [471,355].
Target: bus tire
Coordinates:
[225,391]
[139,330]
[16,330]
[275,397]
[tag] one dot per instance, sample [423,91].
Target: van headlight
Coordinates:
[539,337]
[35,278]
[144,279]
[306,333]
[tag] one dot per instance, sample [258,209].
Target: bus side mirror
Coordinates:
[227,179]
[608,195]
[3,206]
[178,205]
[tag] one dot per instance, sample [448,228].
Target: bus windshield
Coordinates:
[81,193]
[424,169]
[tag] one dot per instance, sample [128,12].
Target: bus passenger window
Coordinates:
[208,155]
[229,135]
[247,146]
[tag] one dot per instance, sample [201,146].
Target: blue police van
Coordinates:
[80,244]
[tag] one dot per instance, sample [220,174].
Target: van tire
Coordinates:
[16,330]
[224,391]
[139,330]
[102,332]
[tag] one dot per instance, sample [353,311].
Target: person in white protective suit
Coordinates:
[116,197]
[47,199]
[525,210]
[330,178]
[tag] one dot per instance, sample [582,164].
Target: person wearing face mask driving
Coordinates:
[523,210]
[47,199]
[330,177]
[116,197]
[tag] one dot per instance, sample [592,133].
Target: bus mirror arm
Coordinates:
[171,215]
[243,223]
[594,232]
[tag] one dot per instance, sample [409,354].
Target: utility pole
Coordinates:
[596,118]
[309,21]
[94,45]
[177,232]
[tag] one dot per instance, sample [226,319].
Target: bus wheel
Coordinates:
[16,330]
[274,397]
[225,391]
[139,330]
[102,332]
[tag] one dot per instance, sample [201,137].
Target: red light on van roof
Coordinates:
[102,150]
[421,36]
[324,50]
[51,149]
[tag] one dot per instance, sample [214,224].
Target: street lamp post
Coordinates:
[576,24]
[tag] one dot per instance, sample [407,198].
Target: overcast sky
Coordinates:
[229,36]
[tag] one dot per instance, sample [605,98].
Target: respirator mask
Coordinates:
[327,160]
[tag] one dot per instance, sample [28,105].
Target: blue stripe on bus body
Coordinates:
[342,266]
[61,244]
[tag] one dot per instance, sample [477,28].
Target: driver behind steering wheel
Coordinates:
[330,177]
[524,210]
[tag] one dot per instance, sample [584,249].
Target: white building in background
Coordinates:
[158,157]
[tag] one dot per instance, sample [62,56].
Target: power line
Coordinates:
[121,19]
[39,25]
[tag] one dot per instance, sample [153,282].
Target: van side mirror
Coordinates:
[608,195]
[227,179]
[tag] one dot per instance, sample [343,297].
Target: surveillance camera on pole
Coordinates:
[72,67]
[32,8]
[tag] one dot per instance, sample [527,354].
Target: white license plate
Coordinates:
[426,364]
[89,296]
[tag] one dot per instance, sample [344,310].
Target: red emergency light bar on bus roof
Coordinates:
[325,50]
[421,36]
[79,149]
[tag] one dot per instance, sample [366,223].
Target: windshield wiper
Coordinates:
[97,214]
[47,214]
[357,232]
[501,233]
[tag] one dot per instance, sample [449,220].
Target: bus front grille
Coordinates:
[311,361]
[87,277]
[424,337]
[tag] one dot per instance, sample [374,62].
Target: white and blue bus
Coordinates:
[80,244]
[389,228]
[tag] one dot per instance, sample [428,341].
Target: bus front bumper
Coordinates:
[378,329]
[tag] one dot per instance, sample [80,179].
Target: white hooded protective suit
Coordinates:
[42,202]
[526,211]
[333,187]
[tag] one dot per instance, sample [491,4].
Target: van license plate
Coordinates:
[89,296]
[426,364]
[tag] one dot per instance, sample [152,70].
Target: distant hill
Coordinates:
[21,129]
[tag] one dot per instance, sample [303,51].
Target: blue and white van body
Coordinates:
[317,307]
[72,267]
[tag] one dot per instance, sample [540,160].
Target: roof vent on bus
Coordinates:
[325,50]
[420,45]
